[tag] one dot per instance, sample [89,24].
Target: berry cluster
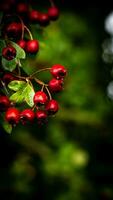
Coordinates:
[17,89]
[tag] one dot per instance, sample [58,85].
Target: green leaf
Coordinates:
[20,53]
[16,85]
[9,65]
[2,45]
[29,95]
[7,127]
[23,92]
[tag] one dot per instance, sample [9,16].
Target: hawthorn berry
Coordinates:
[58,71]
[52,107]
[22,44]
[9,52]
[44,19]
[22,8]
[27,115]
[40,98]
[7,78]
[53,13]
[12,115]
[41,115]
[55,85]
[4,103]
[13,30]
[32,46]
[34,16]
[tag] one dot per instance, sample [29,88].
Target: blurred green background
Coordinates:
[71,157]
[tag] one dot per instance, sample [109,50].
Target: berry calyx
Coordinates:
[12,115]
[9,52]
[32,46]
[40,98]
[58,71]
[41,115]
[53,13]
[55,85]
[4,103]
[22,44]
[52,107]
[27,115]
[34,16]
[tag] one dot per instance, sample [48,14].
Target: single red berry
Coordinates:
[34,16]
[9,52]
[13,29]
[44,19]
[27,115]
[53,13]
[4,103]
[41,115]
[32,46]
[52,107]
[22,44]
[12,115]
[7,78]
[40,98]
[55,85]
[58,71]
[22,8]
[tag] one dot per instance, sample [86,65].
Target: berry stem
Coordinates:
[50,97]
[31,37]
[22,23]
[40,82]
[41,70]
[52,3]
[5,89]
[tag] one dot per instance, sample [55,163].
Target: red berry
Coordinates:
[22,43]
[41,115]
[34,16]
[13,29]
[58,71]
[4,103]
[22,8]
[40,98]
[52,107]
[27,115]
[55,85]
[44,19]
[53,13]
[9,52]
[32,46]
[12,115]
[8,78]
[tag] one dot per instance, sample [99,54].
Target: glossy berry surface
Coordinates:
[4,103]
[53,13]
[41,115]
[55,85]
[34,16]
[27,115]
[32,46]
[22,44]
[9,53]
[13,29]
[40,98]
[52,107]
[44,19]
[12,115]
[58,71]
